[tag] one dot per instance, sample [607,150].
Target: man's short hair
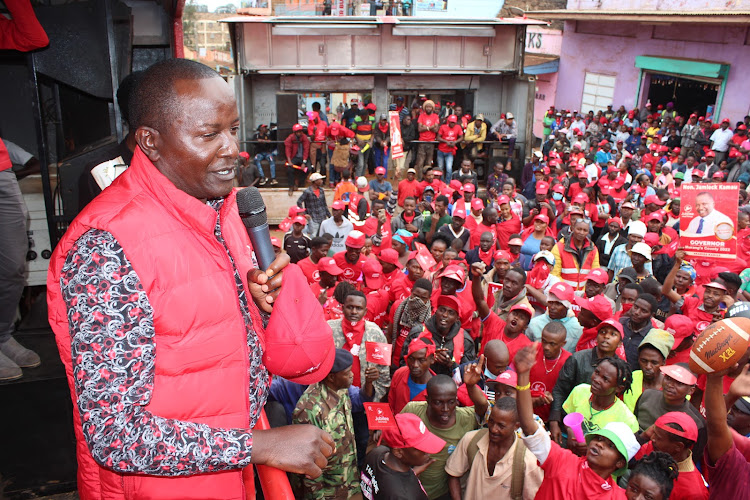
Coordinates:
[125,93]
[443,199]
[440,381]
[705,193]
[507,404]
[154,102]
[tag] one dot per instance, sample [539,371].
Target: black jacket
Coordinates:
[442,343]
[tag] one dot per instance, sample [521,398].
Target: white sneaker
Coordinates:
[24,358]
[8,369]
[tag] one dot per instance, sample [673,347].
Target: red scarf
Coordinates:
[537,277]
[486,257]
[353,335]
[382,127]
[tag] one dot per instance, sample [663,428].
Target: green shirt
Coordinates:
[636,389]
[434,479]
[580,401]
[332,412]
[427,223]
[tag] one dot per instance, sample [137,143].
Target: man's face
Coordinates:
[501,268]
[581,231]
[552,344]
[637,259]
[592,288]
[613,227]
[634,238]
[508,190]
[445,318]
[512,285]
[649,359]
[602,454]
[704,205]
[440,207]
[628,296]
[327,280]
[337,214]
[419,363]
[352,254]
[556,309]
[448,286]
[410,205]
[197,151]
[415,270]
[505,211]
[412,457]
[355,308]
[674,391]
[457,223]
[641,312]
[343,379]
[501,426]
[410,176]
[465,165]
[429,109]
[608,338]
[485,241]
[441,405]
[517,322]
[712,297]
[660,440]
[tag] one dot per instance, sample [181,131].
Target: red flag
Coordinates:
[379,416]
[424,257]
[669,249]
[378,353]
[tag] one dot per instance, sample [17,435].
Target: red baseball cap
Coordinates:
[680,326]
[725,120]
[515,241]
[380,170]
[460,213]
[502,200]
[679,373]
[297,127]
[245,155]
[598,305]
[507,377]
[615,219]
[469,187]
[477,204]
[450,302]
[373,273]
[611,322]
[542,217]
[652,198]
[598,275]
[411,432]
[689,429]
[390,256]
[452,118]
[295,210]
[355,239]
[563,292]
[697,173]
[651,239]
[503,254]
[371,107]
[328,264]
[275,242]
[299,220]
[299,343]
[581,198]
[582,174]
[338,205]
[710,154]
[523,307]
[454,272]
[542,188]
[559,188]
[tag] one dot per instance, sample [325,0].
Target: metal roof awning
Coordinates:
[540,64]
[650,16]
[346,21]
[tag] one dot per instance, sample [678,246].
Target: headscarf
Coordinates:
[689,269]
[428,101]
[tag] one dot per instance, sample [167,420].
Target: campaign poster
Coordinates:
[378,353]
[379,416]
[397,145]
[338,8]
[708,220]
[432,5]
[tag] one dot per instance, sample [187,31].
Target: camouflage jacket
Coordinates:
[332,412]
[373,333]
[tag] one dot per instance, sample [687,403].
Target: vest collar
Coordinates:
[193,212]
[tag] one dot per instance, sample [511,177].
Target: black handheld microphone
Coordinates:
[253,213]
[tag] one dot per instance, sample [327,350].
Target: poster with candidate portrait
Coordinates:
[708,220]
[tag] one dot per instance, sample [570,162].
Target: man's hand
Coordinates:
[473,372]
[301,449]
[371,373]
[323,297]
[381,217]
[442,357]
[576,447]
[421,468]
[525,358]
[543,400]
[266,286]
[679,257]
[478,269]
[411,228]
[555,432]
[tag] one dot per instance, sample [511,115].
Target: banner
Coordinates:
[708,220]
[338,8]
[397,145]
[378,353]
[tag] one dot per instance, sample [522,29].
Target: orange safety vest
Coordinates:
[570,272]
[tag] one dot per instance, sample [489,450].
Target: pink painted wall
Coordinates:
[596,52]
[546,92]
[543,41]
[679,5]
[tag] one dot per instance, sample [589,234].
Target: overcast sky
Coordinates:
[212,4]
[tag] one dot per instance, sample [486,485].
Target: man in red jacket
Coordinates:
[165,424]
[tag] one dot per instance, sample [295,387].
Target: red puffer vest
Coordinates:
[201,372]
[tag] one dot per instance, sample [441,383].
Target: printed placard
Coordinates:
[708,220]
[397,144]
[379,416]
[378,353]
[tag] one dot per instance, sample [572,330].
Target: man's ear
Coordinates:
[148,140]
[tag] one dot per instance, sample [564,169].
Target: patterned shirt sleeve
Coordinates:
[113,353]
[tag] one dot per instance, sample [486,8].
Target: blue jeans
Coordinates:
[445,163]
[381,159]
[333,176]
[272,164]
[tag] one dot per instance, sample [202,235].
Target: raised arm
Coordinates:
[472,376]
[666,288]
[524,360]
[477,271]
[719,435]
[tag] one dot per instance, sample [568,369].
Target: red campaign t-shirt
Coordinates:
[618,196]
[310,270]
[494,328]
[449,134]
[542,381]
[406,189]
[352,272]
[377,304]
[476,234]
[574,190]
[567,476]
[690,309]
[729,477]
[428,121]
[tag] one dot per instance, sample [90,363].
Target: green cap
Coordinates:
[661,340]
[679,175]
[622,437]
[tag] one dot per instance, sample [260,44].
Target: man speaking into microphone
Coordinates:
[165,328]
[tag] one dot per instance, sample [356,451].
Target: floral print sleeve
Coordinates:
[113,352]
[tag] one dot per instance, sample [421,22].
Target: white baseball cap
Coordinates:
[316,176]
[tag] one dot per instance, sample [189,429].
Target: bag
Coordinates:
[340,157]
[519,463]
